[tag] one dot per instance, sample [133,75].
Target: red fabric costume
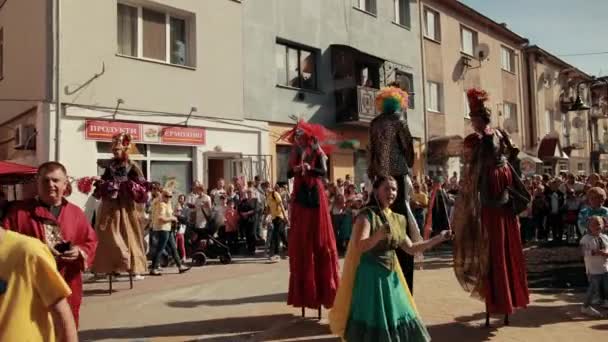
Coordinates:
[34,219]
[488,255]
[313,259]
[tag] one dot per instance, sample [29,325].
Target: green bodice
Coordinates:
[384,252]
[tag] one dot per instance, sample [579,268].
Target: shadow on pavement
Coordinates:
[450,332]
[242,327]
[271,298]
[600,327]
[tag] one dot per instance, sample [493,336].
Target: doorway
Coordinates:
[215,169]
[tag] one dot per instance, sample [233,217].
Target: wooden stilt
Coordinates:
[303,312]
[487,317]
[507,319]
[110,279]
[131,280]
[320,313]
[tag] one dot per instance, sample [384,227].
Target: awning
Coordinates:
[551,149]
[12,173]
[441,148]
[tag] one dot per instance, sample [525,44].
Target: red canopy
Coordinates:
[11,173]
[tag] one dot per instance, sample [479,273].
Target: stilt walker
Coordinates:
[313,258]
[488,256]
[122,188]
[392,154]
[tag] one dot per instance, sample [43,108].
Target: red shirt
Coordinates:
[232,220]
[32,218]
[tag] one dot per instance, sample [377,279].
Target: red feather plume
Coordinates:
[477,98]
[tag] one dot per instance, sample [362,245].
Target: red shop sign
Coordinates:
[183,135]
[105,130]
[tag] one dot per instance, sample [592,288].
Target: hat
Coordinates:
[477,98]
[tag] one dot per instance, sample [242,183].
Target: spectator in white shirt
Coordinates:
[197,190]
[202,209]
[218,191]
[595,251]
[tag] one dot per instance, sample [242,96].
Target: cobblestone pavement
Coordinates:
[245,301]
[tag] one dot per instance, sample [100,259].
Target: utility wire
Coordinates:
[584,54]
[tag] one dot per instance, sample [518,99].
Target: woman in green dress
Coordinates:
[373,302]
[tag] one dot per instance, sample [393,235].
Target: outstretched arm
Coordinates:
[421,246]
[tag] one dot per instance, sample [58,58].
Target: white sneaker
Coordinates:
[138,277]
[592,312]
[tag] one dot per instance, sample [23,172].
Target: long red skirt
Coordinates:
[506,287]
[313,259]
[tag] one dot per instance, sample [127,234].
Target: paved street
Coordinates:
[245,301]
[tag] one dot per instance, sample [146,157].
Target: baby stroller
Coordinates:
[203,245]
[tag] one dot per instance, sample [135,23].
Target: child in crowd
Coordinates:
[33,295]
[342,220]
[232,226]
[182,212]
[595,251]
[595,200]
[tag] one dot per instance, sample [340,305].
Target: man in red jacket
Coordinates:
[61,225]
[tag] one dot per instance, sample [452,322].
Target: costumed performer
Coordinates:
[313,259]
[373,302]
[60,224]
[392,154]
[123,191]
[488,256]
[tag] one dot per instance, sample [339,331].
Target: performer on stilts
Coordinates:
[313,259]
[373,302]
[392,154]
[488,256]
[122,189]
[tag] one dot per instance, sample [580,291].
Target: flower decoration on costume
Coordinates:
[391,99]
[85,185]
[477,98]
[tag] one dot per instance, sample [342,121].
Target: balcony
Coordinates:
[356,105]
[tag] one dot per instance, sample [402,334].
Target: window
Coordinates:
[507,59]
[434,104]
[360,163]
[510,115]
[406,82]
[296,67]
[466,109]
[156,35]
[432,27]
[580,167]
[367,6]
[548,121]
[283,153]
[402,12]
[468,41]
[1,53]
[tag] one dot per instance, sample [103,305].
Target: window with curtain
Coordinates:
[361,163]
[296,67]
[155,34]
[127,30]
[432,28]
[468,39]
[178,41]
[181,171]
[406,82]
[507,58]
[368,5]
[402,12]
[283,153]
[434,103]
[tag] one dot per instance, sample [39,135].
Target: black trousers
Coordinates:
[406,261]
[278,235]
[554,222]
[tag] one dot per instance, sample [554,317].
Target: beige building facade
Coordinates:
[556,135]
[170,72]
[463,49]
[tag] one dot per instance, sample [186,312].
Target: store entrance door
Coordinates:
[217,165]
[215,171]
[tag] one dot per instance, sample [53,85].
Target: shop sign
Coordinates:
[144,133]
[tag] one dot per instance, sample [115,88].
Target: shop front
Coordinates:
[167,152]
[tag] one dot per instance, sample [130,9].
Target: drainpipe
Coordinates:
[58,108]
[423,76]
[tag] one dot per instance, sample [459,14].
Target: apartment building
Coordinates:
[462,49]
[170,72]
[323,61]
[556,135]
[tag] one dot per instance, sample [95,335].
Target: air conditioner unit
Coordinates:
[25,137]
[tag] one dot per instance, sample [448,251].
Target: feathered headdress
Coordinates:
[124,141]
[391,99]
[311,133]
[477,98]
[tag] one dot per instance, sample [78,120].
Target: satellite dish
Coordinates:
[482,51]
[510,126]
[577,122]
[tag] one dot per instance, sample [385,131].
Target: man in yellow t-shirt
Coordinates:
[33,304]
[274,203]
[419,203]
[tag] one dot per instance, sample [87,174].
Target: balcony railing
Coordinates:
[356,105]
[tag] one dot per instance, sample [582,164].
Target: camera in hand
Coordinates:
[63,247]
